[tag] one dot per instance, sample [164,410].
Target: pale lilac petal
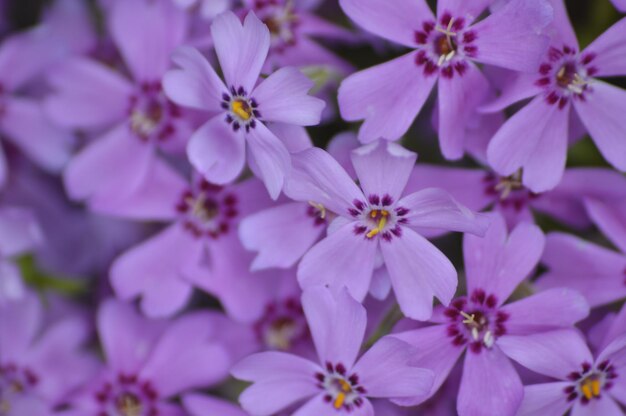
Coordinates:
[510,38]
[395,21]
[605,406]
[271,157]
[546,310]
[340,148]
[283,97]
[17,333]
[518,87]
[156,262]
[11,283]
[609,51]
[19,231]
[269,397]
[620,5]
[195,84]
[316,176]
[610,217]
[295,138]
[281,235]
[183,357]
[309,53]
[146,33]
[384,371]
[201,405]
[317,27]
[545,399]
[458,98]
[560,30]
[554,353]
[165,297]
[489,385]
[497,263]
[87,95]
[596,272]
[131,157]
[274,365]
[466,9]
[337,324]
[241,49]
[317,406]
[543,150]
[388,96]
[434,350]
[217,152]
[380,285]
[436,209]
[24,122]
[127,337]
[383,168]
[615,352]
[601,114]
[418,271]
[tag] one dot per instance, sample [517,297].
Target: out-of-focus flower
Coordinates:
[240,108]
[567,79]
[376,225]
[480,322]
[209,9]
[199,405]
[389,96]
[340,383]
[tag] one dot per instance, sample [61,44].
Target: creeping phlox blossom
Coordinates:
[566,80]
[389,96]
[240,108]
[339,384]
[376,225]
[130,117]
[149,361]
[480,322]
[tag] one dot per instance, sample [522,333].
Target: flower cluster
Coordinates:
[192,223]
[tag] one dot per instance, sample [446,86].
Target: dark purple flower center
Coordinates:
[566,75]
[151,115]
[208,210]
[342,390]
[445,46]
[14,381]
[508,191]
[127,396]
[590,382]
[282,21]
[283,325]
[378,217]
[476,321]
[242,111]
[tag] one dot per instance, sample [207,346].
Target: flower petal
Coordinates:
[383,168]
[217,152]
[605,406]
[201,405]
[545,399]
[241,49]
[273,365]
[387,96]
[418,270]
[19,231]
[266,398]
[283,97]
[489,385]
[271,157]
[17,333]
[195,84]
[609,51]
[601,115]
[466,9]
[610,217]
[395,21]
[318,406]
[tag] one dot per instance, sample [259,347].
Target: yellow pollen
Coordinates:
[374,213]
[469,319]
[345,386]
[341,397]
[242,109]
[595,387]
[586,390]
[590,388]
[381,222]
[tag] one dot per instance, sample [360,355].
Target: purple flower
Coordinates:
[34,362]
[238,110]
[209,9]
[377,225]
[389,96]
[597,272]
[620,5]
[134,114]
[199,405]
[587,385]
[566,80]
[480,322]
[340,383]
[149,361]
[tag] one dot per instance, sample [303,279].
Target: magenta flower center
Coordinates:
[508,191]
[281,20]
[590,382]
[14,381]
[283,325]
[378,217]
[207,210]
[242,111]
[476,321]
[566,75]
[342,391]
[151,114]
[127,396]
[444,46]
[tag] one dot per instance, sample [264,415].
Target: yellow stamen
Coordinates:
[469,319]
[345,386]
[374,213]
[321,208]
[595,387]
[586,388]
[341,397]
[242,109]
[381,223]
